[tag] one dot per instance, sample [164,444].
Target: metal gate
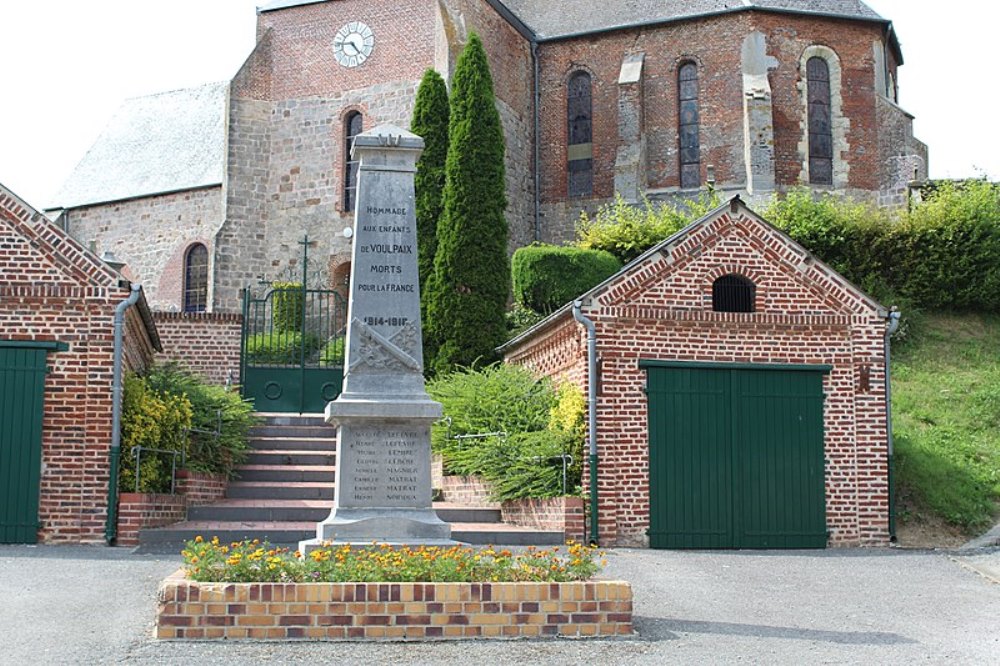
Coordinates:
[736,456]
[22,391]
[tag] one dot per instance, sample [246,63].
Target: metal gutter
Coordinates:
[537,140]
[893,318]
[591,415]
[111,526]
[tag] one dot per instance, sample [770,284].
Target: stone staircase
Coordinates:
[286,487]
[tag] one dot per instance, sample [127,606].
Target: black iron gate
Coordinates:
[293,346]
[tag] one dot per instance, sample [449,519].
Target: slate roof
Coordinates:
[551,20]
[154,144]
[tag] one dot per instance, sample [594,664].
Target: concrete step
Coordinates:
[287,473]
[282,419]
[301,510]
[294,443]
[264,490]
[172,538]
[304,431]
[290,457]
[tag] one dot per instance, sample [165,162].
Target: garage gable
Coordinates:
[679,273]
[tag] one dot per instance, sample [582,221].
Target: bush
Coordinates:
[151,420]
[280,347]
[332,353]
[547,277]
[520,319]
[211,407]
[626,231]
[531,466]
[287,306]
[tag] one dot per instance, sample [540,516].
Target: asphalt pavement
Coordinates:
[93,605]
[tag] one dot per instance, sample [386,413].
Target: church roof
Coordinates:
[155,144]
[553,20]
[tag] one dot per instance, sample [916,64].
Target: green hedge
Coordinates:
[547,277]
[287,306]
[280,347]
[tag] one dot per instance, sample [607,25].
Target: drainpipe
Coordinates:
[537,130]
[893,318]
[111,527]
[591,413]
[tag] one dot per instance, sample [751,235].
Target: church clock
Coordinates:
[353,44]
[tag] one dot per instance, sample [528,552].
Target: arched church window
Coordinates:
[353,126]
[580,148]
[733,293]
[196,278]
[820,122]
[690,146]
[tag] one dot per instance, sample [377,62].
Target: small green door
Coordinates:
[22,388]
[736,456]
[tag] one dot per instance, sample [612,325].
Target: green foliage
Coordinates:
[944,253]
[430,121]
[946,415]
[547,277]
[280,347]
[151,420]
[468,294]
[626,231]
[520,319]
[541,426]
[287,306]
[211,407]
[332,353]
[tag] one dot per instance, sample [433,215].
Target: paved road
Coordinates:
[78,605]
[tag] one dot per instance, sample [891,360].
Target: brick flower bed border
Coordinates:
[391,611]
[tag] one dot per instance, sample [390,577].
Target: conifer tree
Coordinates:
[471,267]
[430,121]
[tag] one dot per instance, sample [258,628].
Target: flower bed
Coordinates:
[544,595]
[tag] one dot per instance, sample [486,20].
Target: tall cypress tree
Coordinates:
[430,121]
[471,268]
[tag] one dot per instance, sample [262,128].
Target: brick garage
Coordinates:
[659,309]
[55,293]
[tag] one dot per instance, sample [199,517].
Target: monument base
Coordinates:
[392,526]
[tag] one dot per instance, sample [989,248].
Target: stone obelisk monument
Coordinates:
[384,415]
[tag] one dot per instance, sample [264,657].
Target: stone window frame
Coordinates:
[839,123]
[679,67]
[759,281]
[581,151]
[195,298]
[348,187]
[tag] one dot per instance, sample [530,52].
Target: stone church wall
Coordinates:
[152,234]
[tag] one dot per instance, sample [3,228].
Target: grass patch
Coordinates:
[946,413]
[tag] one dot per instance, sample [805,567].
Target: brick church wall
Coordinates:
[153,234]
[51,289]
[206,343]
[662,310]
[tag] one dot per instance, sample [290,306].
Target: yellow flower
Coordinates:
[198,539]
[215,541]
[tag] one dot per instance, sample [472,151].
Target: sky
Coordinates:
[67,65]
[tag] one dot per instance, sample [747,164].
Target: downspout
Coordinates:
[591,413]
[537,131]
[893,318]
[111,527]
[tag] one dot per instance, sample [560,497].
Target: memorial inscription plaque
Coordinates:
[383,416]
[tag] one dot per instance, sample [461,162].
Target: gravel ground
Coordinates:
[79,605]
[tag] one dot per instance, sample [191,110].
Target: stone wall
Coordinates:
[662,309]
[153,235]
[207,343]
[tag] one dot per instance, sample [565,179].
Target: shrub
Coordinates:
[530,465]
[332,353]
[212,408]
[280,347]
[626,231]
[468,294]
[151,420]
[520,319]
[498,398]
[253,561]
[287,306]
[547,277]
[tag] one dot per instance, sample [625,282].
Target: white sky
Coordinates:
[66,66]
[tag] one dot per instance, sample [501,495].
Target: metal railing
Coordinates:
[137,452]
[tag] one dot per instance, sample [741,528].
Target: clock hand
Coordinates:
[350,42]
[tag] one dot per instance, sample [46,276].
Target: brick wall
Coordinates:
[138,511]
[470,490]
[207,343]
[661,309]
[51,288]
[198,488]
[152,234]
[554,513]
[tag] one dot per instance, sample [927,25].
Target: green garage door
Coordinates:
[22,388]
[736,456]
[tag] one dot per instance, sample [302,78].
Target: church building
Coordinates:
[206,191]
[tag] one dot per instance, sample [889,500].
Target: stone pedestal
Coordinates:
[383,416]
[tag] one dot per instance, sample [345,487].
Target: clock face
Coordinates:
[353,44]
